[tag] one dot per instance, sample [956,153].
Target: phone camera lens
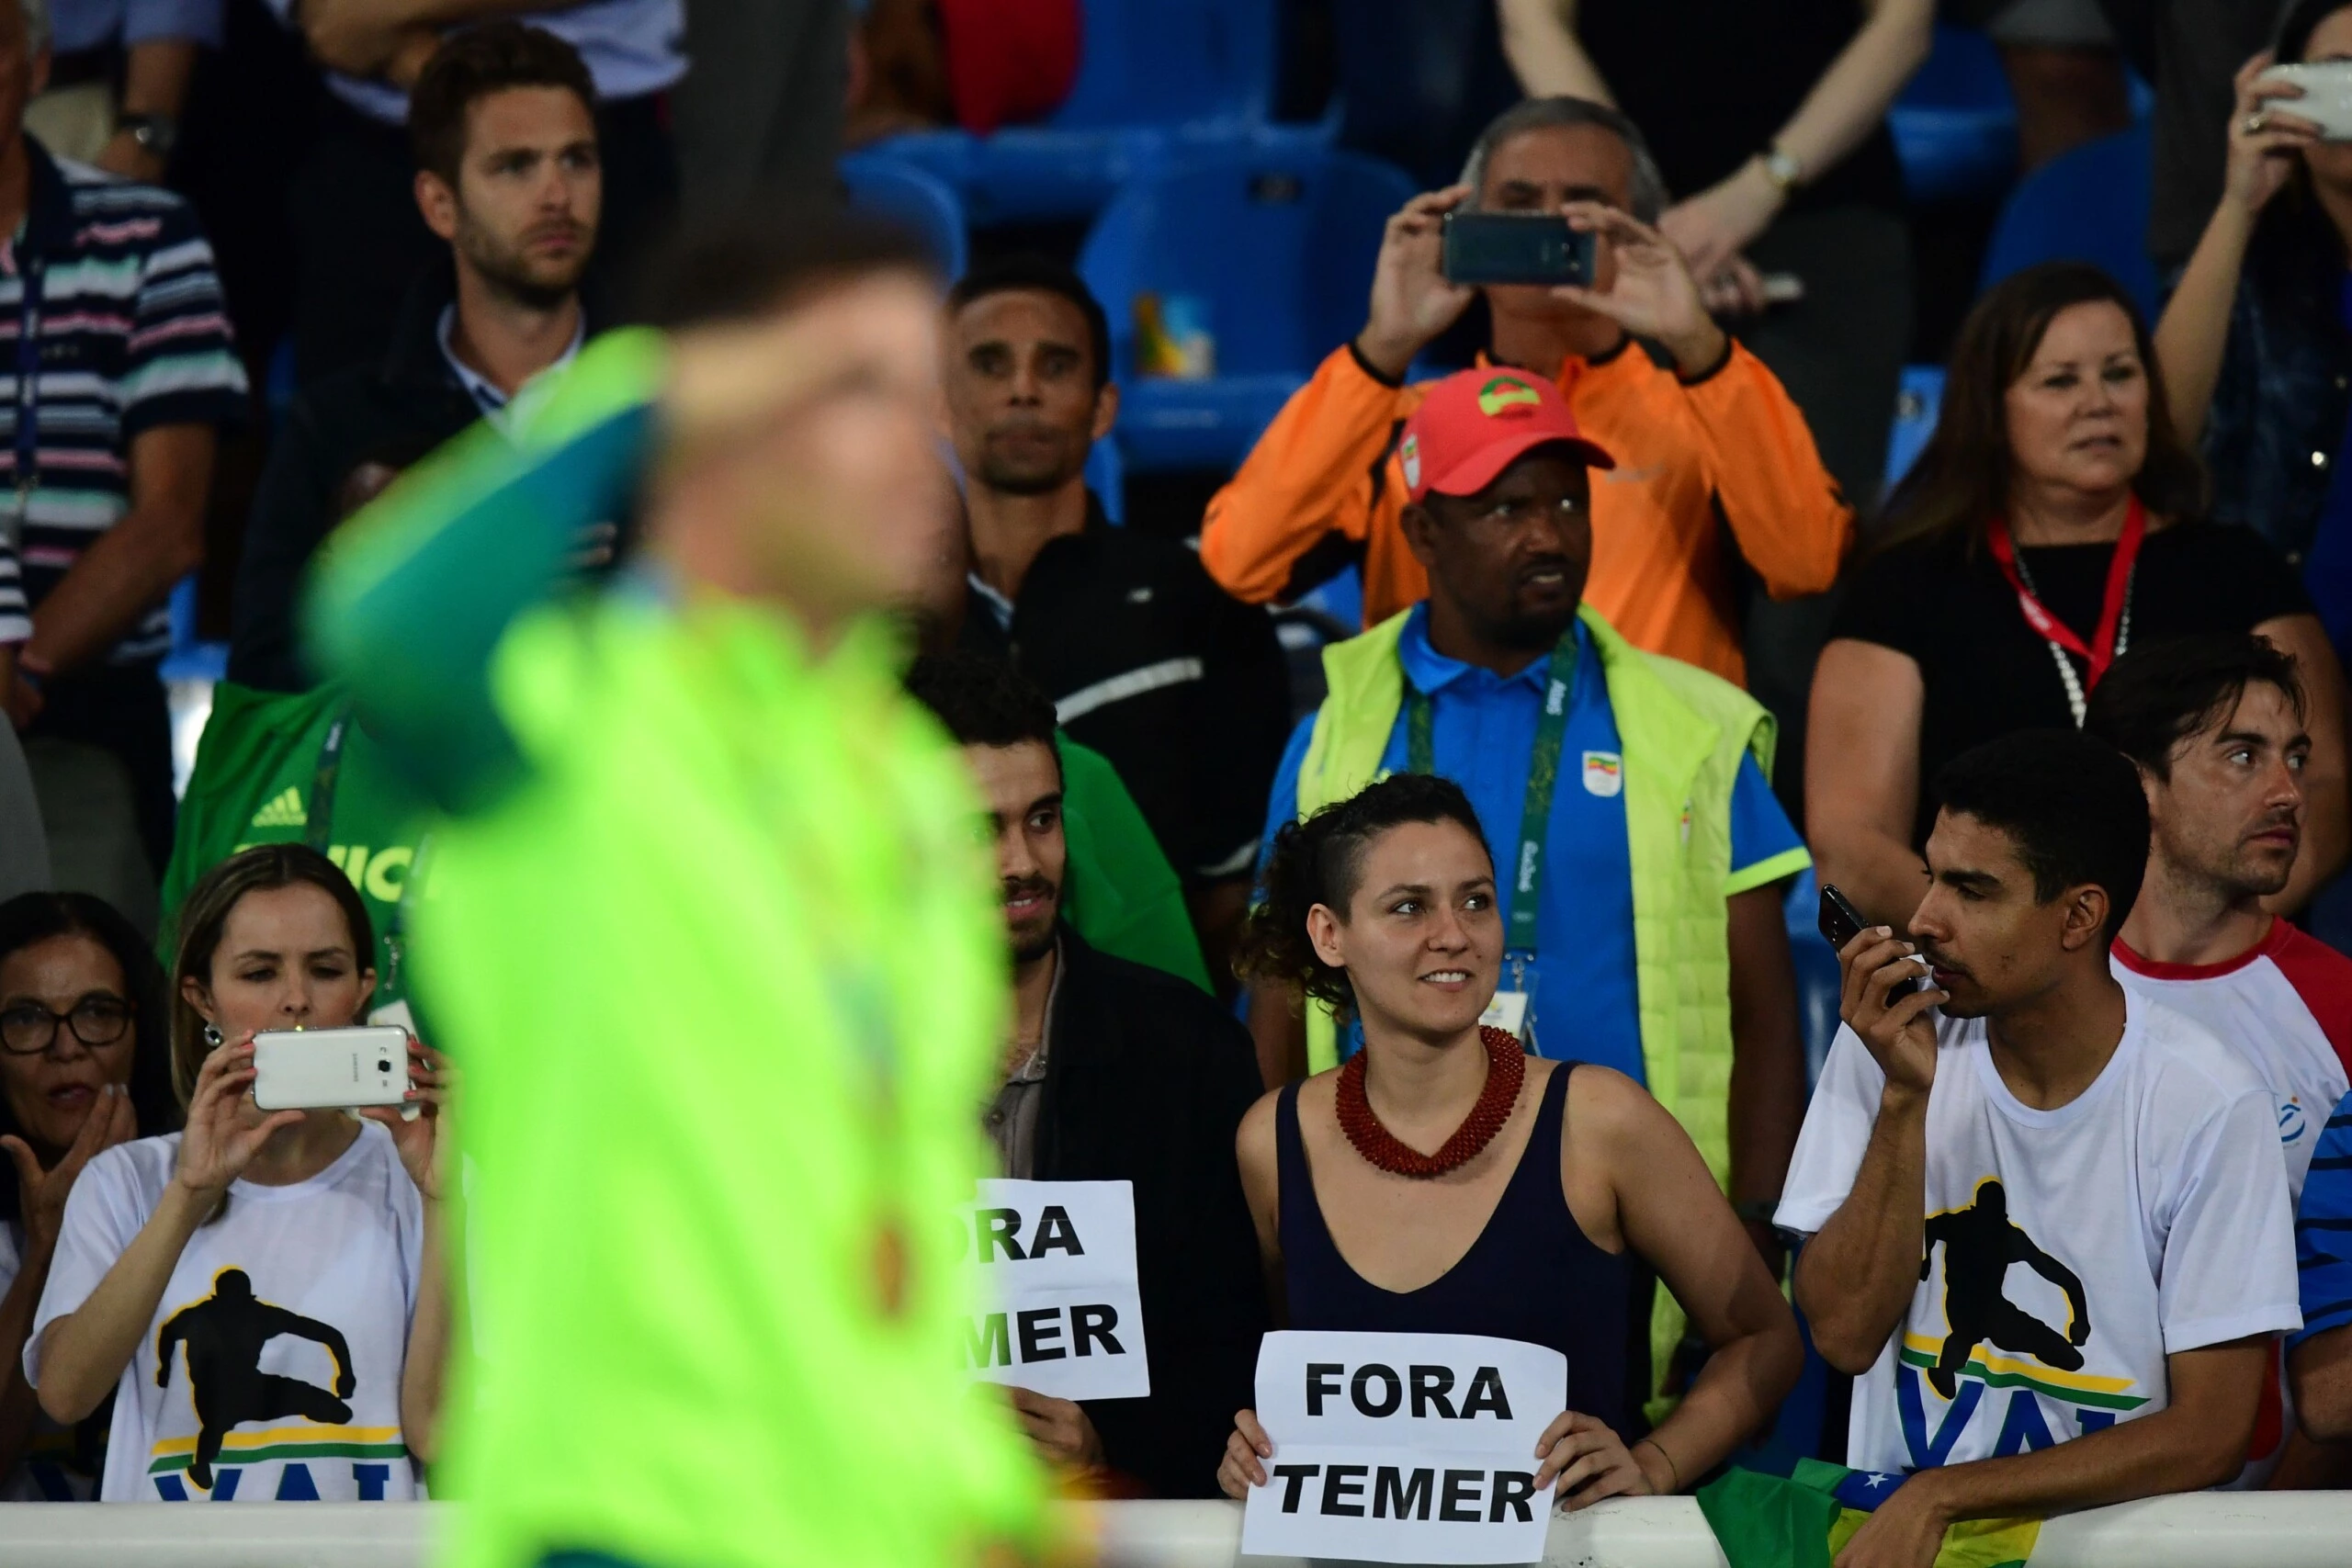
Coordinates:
[383,1064]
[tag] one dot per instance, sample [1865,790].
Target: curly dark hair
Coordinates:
[1320,861]
[982,701]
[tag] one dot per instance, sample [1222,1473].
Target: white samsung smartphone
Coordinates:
[330,1070]
[2327,96]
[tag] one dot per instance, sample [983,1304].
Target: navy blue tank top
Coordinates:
[1532,1275]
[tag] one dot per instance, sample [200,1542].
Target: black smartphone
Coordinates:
[1841,923]
[1514,247]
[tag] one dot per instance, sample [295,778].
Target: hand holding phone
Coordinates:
[1890,1016]
[1536,248]
[330,1070]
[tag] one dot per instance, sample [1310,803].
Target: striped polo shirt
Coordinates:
[132,335]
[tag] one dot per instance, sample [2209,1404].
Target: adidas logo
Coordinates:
[286,811]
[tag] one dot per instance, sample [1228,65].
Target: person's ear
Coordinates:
[1419,525]
[1323,934]
[367,989]
[2086,910]
[194,992]
[43,59]
[1106,410]
[437,203]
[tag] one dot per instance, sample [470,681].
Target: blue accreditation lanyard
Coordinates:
[1535,814]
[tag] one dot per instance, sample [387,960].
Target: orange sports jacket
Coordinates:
[1731,444]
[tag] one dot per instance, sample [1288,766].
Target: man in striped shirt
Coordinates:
[2319,1355]
[118,368]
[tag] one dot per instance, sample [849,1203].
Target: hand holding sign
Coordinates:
[1404,1447]
[1060,1428]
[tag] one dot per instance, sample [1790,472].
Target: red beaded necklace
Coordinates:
[1506,1070]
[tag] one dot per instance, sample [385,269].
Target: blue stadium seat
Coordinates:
[1915,408]
[1159,79]
[889,187]
[1956,126]
[1276,249]
[1107,475]
[2087,205]
[190,660]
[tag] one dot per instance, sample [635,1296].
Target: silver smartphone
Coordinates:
[330,1070]
[2327,96]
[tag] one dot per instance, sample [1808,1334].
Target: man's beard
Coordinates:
[1029,948]
[1530,633]
[2229,872]
[507,272]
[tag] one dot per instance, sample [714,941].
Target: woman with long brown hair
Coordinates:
[295,1255]
[2051,523]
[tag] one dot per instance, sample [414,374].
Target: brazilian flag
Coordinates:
[1805,1520]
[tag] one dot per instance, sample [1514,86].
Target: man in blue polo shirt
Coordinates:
[1641,851]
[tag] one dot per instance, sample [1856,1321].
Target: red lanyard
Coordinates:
[2112,602]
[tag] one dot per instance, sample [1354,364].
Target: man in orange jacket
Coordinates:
[1704,433]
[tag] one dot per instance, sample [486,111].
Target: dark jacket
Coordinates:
[1149,662]
[1146,1081]
[393,412]
[2279,410]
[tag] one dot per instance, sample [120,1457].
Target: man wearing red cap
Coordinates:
[1625,792]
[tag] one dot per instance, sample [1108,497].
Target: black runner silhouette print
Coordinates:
[1980,1243]
[224,1334]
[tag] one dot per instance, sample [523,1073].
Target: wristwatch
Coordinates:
[155,133]
[1784,169]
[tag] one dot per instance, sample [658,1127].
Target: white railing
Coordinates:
[2281,1530]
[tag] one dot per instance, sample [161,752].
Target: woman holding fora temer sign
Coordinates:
[1443,1181]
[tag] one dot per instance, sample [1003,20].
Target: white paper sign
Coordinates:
[1403,1448]
[1062,1316]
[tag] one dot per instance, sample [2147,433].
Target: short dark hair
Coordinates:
[1961,481]
[1029,274]
[470,66]
[2161,693]
[2073,804]
[1320,861]
[745,265]
[982,701]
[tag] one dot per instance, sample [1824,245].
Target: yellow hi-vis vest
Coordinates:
[1681,732]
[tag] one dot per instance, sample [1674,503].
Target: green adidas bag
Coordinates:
[291,767]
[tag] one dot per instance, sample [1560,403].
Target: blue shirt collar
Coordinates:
[1428,671]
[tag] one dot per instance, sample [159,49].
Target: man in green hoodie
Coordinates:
[707,930]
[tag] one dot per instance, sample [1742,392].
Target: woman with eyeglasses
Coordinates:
[82,1067]
[263,1294]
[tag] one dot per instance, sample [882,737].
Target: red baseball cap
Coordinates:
[1475,423]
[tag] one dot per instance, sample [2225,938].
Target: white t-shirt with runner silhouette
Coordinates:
[2069,1251]
[259,1306]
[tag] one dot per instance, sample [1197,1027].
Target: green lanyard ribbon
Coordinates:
[1542,775]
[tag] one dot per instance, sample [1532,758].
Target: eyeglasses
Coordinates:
[29,1029]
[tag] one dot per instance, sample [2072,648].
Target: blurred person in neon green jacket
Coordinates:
[707,929]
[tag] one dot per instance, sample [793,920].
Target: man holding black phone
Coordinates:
[2049,1228]
[1704,434]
